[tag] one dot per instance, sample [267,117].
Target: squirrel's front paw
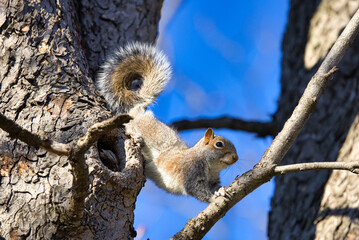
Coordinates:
[220,192]
[137,138]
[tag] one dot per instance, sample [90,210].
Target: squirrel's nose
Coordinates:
[235,157]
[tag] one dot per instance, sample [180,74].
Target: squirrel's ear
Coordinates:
[208,136]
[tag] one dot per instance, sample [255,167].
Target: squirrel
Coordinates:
[130,80]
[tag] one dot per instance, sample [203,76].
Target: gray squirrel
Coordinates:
[130,80]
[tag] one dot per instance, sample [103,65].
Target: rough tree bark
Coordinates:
[49,52]
[316,204]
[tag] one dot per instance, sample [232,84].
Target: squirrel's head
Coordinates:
[222,153]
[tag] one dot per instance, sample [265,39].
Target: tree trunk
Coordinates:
[49,52]
[318,204]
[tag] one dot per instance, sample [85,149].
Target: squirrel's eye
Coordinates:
[219,144]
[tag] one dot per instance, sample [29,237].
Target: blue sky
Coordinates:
[226,61]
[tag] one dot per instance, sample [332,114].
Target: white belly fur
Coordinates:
[163,179]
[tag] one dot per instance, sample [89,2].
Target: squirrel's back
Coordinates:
[157,136]
[133,76]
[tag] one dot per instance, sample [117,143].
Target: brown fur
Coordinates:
[134,65]
[133,76]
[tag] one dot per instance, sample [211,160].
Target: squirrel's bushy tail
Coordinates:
[133,76]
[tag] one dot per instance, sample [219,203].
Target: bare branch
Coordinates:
[197,227]
[262,129]
[101,128]
[75,152]
[82,145]
[291,129]
[32,139]
[299,167]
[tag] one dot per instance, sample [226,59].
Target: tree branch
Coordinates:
[81,146]
[101,128]
[32,139]
[262,129]
[76,155]
[300,167]
[291,129]
[197,227]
